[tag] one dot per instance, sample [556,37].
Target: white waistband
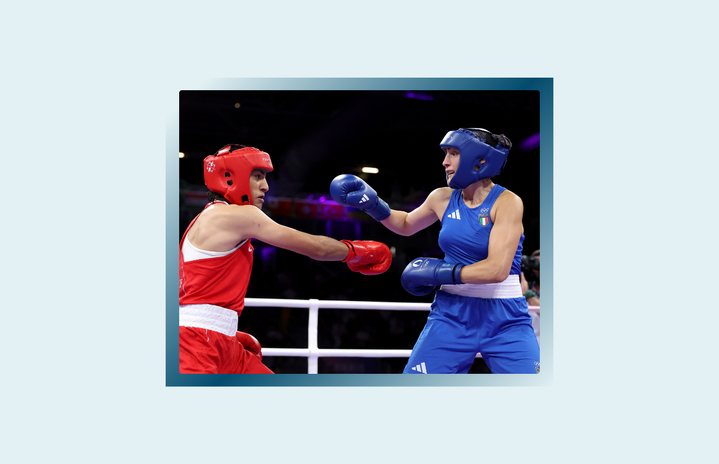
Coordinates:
[509,288]
[209,317]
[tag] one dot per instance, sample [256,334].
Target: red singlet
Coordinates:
[212,296]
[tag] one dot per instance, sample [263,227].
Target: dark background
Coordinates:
[313,136]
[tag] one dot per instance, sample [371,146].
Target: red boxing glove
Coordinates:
[368,257]
[250,343]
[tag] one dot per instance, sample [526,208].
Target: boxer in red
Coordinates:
[216,262]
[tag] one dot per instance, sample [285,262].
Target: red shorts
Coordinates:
[204,351]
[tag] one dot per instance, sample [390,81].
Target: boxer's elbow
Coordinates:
[403,228]
[501,275]
[500,272]
[399,223]
[404,232]
[484,274]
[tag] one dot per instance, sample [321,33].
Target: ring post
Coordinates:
[312,324]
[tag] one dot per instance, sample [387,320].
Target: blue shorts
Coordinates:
[459,327]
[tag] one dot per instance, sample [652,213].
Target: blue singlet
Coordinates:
[459,327]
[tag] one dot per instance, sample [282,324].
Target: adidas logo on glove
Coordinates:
[364,198]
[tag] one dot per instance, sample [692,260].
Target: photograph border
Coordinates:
[545,86]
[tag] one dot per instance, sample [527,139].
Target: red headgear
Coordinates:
[227,172]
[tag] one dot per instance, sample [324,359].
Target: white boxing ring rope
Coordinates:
[313,352]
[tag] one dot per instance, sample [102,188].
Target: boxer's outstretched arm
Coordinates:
[349,190]
[225,226]
[403,223]
[243,222]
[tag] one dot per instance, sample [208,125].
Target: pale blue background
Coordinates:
[84,105]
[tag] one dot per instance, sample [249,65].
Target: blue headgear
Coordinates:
[473,148]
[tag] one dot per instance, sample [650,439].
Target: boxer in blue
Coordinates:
[479,307]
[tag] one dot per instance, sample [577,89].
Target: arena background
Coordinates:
[313,136]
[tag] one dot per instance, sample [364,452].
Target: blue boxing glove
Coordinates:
[422,275]
[349,190]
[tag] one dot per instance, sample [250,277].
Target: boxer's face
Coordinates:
[258,187]
[450,163]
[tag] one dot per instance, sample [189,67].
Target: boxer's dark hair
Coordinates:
[498,139]
[212,196]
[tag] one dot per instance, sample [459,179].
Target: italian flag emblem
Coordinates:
[484,220]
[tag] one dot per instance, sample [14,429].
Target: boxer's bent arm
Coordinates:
[403,223]
[244,222]
[503,242]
